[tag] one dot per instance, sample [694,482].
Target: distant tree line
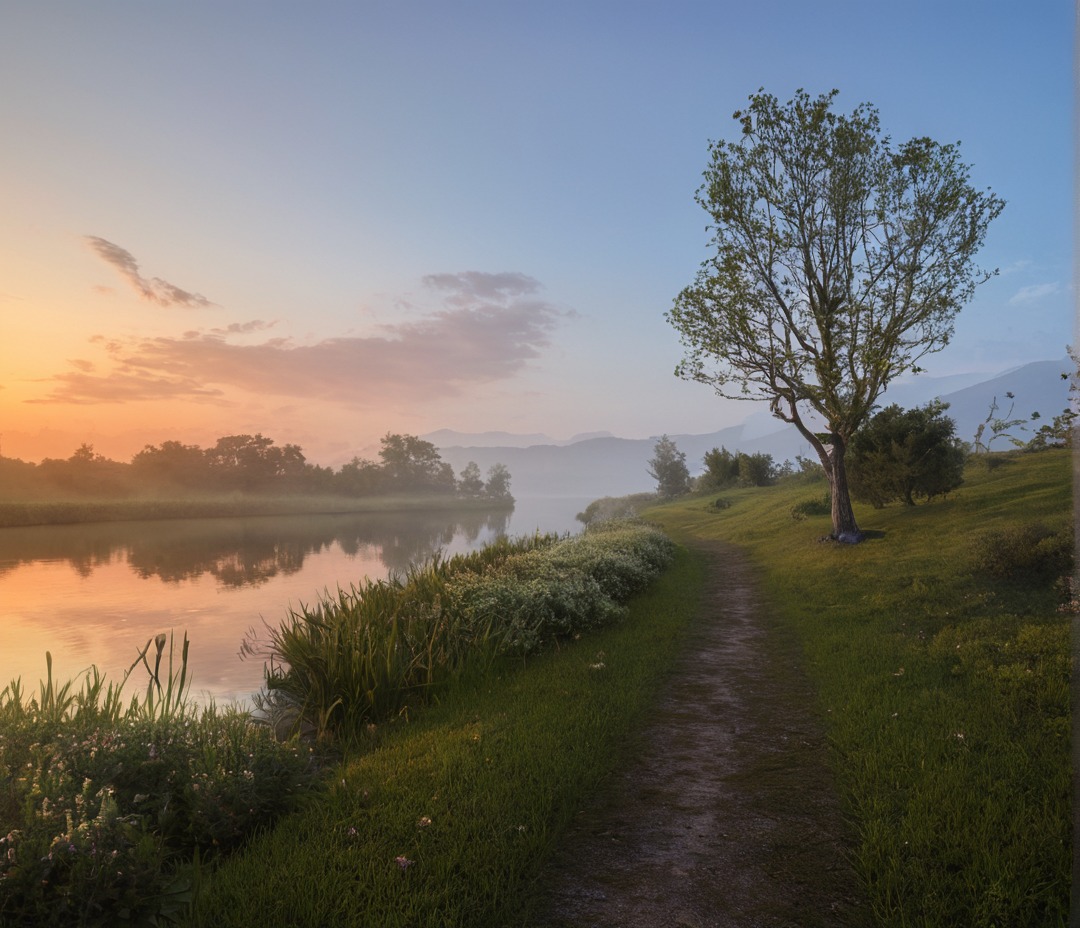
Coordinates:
[252,464]
[897,455]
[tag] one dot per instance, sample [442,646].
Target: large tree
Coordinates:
[840,260]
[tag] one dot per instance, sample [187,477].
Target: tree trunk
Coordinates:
[843,516]
[832,459]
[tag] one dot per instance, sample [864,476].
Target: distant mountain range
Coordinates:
[599,464]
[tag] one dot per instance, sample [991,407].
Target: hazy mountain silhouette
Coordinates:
[610,466]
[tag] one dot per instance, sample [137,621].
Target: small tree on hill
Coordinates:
[903,454]
[721,469]
[668,468]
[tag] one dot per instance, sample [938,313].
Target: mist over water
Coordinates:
[94,594]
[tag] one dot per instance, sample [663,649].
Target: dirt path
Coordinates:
[727,815]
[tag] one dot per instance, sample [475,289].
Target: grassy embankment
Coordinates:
[443,820]
[941,660]
[940,651]
[14,513]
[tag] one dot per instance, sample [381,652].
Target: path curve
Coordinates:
[727,814]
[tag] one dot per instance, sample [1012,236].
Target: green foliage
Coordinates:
[242,464]
[668,468]
[498,482]
[470,483]
[1024,551]
[411,464]
[1058,433]
[905,454]
[106,810]
[386,646]
[840,260]
[724,468]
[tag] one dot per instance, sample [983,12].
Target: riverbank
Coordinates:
[22,513]
[535,693]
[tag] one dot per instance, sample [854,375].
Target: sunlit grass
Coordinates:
[943,679]
[449,819]
[385,646]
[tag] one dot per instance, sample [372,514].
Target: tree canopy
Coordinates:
[904,454]
[668,468]
[252,464]
[841,259]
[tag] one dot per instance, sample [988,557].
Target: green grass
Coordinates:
[384,646]
[14,513]
[943,677]
[498,766]
[110,800]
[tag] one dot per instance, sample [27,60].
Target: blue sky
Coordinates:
[324,221]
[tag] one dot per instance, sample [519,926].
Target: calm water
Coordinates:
[95,594]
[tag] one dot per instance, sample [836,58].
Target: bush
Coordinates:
[368,653]
[903,454]
[819,506]
[725,468]
[101,816]
[1031,550]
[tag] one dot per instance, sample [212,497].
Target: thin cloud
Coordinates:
[153,289]
[470,286]
[243,328]
[488,332]
[126,385]
[1033,293]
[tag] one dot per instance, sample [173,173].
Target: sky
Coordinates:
[328,221]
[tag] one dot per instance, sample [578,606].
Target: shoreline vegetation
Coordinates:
[117,810]
[24,513]
[240,475]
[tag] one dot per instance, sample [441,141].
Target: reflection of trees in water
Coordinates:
[83,551]
[243,552]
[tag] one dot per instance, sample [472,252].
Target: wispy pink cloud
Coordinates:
[489,329]
[153,289]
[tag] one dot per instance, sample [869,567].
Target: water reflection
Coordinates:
[95,594]
[242,552]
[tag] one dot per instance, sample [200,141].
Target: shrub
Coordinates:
[371,651]
[104,808]
[1031,550]
[818,506]
[903,454]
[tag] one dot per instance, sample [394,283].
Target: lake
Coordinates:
[95,594]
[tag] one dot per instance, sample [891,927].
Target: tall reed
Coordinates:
[378,648]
